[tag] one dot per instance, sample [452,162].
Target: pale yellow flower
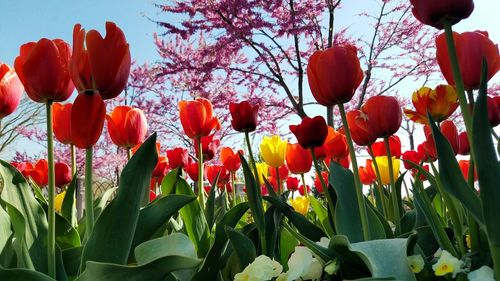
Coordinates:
[300,204]
[447,263]
[263,170]
[261,269]
[383,167]
[273,151]
[416,263]
[59,201]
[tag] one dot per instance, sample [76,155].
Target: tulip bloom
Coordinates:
[283,172]
[244,116]
[230,159]
[40,172]
[161,167]
[335,145]
[359,131]
[105,65]
[494,110]
[434,13]
[300,204]
[61,118]
[209,147]
[450,132]
[383,167]
[464,167]
[440,103]
[213,170]
[334,74]
[263,170]
[197,118]
[63,174]
[378,148]
[366,174]
[87,119]
[383,115]
[11,90]
[311,132]
[59,201]
[463,144]
[127,126]
[42,67]
[177,157]
[273,151]
[298,159]
[301,189]
[413,156]
[292,183]
[317,182]
[471,48]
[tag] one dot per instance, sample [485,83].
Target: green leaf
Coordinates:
[102,201]
[19,195]
[486,160]
[66,235]
[169,181]
[287,246]
[5,230]
[71,259]
[210,205]
[194,220]
[243,247]
[211,264]
[114,230]
[451,176]
[156,214]
[22,274]
[319,251]
[19,244]
[68,209]
[322,214]
[156,270]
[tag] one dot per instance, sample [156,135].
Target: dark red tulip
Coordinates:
[11,90]
[463,144]
[244,116]
[435,13]
[23,167]
[471,47]
[450,132]
[334,74]
[152,196]
[209,147]
[301,189]
[87,120]
[105,65]
[292,183]
[42,67]
[311,132]
[298,159]
[63,174]
[394,145]
[412,156]
[358,128]
[177,157]
[494,110]
[427,150]
[383,116]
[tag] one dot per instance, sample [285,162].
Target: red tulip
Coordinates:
[213,170]
[42,67]
[61,118]
[394,145]
[463,144]
[450,132]
[434,13]
[11,90]
[209,147]
[335,145]
[298,159]
[40,172]
[161,167]
[311,132]
[366,174]
[320,153]
[471,48]
[105,65]
[177,157]
[412,156]
[127,126]
[317,182]
[63,174]
[24,168]
[292,183]
[197,118]
[427,150]
[301,189]
[334,74]
[230,159]
[494,110]
[464,167]
[152,196]
[87,119]
[383,115]
[192,171]
[415,172]
[358,128]
[244,116]
[282,170]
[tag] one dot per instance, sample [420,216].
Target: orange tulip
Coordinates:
[42,67]
[61,118]
[298,159]
[197,118]
[366,174]
[230,159]
[105,65]
[440,103]
[335,145]
[127,126]
[471,48]
[87,119]
[464,167]
[11,90]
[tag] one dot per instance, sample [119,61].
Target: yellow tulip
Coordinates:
[300,204]
[273,151]
[263,171]
[59,201]
[383,167]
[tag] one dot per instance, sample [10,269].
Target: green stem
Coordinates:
[306,194]
[252,161]
[201,191]
[233,189]
[278,181]
[51,245]
[395,198]
[73,159]
[380,185]
[357,182]
[495,255]
[473,225]
[89,196]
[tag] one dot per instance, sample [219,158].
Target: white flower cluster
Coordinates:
[261,269]
[302,266]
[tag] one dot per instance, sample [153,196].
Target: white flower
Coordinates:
[332,267]
[323,242]
[447,264]
[416,263]
[484,273]
[303,265]
[261,269]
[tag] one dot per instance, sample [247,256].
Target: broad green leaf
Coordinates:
[210,204]
[71,259]
[273,219]
[114,230]
[487,166]
[22,274]
[19,195]
[66,235]
[212,264]
[169,181]
[319,251]
[156,214]
[451,176]
[194,220]
[68,209]
[322,214]
[19,243]
[5,230]
[287,246]
[102,201]
[243,247]
[156,270]
[176,244]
